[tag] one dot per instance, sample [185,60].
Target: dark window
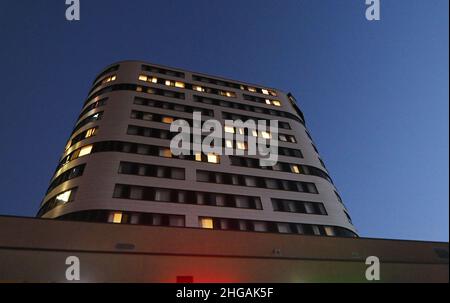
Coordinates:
[148,170]
[89,119]
[173,106]
[69,174]
[261,182]
[163,71]
[92,106]
[305,207]
[133,192]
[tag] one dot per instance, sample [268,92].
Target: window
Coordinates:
[265,91]
[198,88]
[276,103]
[206,223]
[149,170]
[277,227]
[86,150]
[280,166]
[284,228]
[166,153]
[256,109]
[227,94]
[295,168]
[60,199]
[177,221]
[348,217]
[143,77]
[72,173]
[213,158]
[144,193]
[109,79]
[261,182]
[242,202]
[167,120]
[92,118]
[229,129]
[179,84]
[329,231]
[266,135]
[162,195]
[240,145]
[116,217]
[63,197]
[90,132]
[163,71]
[259,226]
[233,116]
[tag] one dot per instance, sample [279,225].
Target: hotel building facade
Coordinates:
[117,166]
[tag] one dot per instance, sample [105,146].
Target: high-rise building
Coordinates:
[118,167]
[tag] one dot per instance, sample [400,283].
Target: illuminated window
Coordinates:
[229,143]
[167,120]
[254,133]
[265,91]
[240,145]
[268,101]
[276,103]
[206,223]
[68,145]
[198,88]
[198,157]
[241,131]
[139,88]
[271,92]
[295,169]
[143,77]
[329,230]
[230,94]
[229,129]
[86,150]
[179,84]
[213,158]
[166,153]
[252,89]
[266,135]
[90,132]
[168,83]
[117,217]
[283,138]
[64,197]
[109,79]
[154,80]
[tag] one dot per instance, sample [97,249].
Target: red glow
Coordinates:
[185,279]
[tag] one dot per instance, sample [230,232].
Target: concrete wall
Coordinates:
[35,250]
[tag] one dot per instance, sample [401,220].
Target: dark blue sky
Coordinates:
[375,94]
